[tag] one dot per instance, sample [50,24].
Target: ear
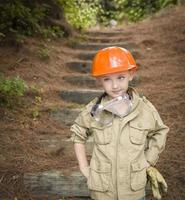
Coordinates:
[131,74]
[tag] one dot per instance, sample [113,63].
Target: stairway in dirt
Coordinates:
[70,182]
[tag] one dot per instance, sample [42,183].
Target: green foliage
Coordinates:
[132,10]
[52,32]
[138,9]
[17,18]
[165,3]
[11,89]
[20,18]
[108,10]
[80,13]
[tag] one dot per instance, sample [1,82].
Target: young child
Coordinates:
[128,133]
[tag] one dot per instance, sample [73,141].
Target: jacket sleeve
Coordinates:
[80,128]
[156,139]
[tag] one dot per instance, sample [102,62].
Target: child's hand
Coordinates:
[85,171]
[157,182]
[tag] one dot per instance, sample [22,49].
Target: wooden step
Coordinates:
[56,184]
[106,33]
[81,80]
[89,55]
[53,143]
[80,96]
[65,115]
[86,55]
[87,81]
[97,46]
[114,39]
[79,66]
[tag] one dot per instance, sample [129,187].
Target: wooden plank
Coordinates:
[65,115]
[53,143]
[97,46]
[80,96]
[79,66]
[55,184]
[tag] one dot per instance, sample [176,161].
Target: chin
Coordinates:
[114,95]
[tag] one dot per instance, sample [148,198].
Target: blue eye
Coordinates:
[106,79]
[121,77]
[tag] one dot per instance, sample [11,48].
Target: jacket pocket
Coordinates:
[102,134]
[99,176]
[138,175]
[138,132]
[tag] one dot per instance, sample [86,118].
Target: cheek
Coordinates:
[124,83]
[106,85]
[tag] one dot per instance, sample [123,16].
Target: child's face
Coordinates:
[116,84]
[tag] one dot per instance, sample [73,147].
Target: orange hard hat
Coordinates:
[112,60]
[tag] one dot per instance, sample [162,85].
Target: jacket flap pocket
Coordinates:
[99,176]
[139,165]
[138,175]
[101,167]
[102,134]
[98,125]
[140,125]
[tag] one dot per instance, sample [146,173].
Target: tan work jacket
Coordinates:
[122,150]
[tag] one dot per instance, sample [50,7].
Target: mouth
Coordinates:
[117,92]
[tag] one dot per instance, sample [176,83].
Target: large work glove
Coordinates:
[157,182]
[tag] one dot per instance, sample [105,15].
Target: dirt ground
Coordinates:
[161,42]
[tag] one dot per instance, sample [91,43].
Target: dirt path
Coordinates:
[160,53]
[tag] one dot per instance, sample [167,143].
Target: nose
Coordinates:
[114,84]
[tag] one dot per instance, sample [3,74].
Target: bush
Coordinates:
[52,32]
[80,13]
[11,90]
[17,18]
[133,10]
[20,18]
